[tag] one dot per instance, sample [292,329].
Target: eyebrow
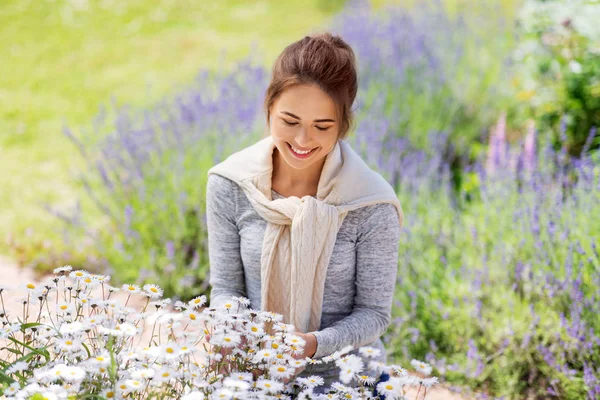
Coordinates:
[316,120]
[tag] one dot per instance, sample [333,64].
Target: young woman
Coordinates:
[297,222]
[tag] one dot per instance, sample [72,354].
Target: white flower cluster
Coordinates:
[71,344]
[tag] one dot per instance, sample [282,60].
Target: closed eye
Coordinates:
[295,123]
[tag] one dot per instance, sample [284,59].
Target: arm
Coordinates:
[226,269]
[378,237]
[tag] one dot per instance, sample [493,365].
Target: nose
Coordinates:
[303,138]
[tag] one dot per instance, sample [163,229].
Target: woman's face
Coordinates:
[303,119]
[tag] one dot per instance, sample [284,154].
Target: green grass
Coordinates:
[61,62]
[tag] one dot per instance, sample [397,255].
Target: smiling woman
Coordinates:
[297,222]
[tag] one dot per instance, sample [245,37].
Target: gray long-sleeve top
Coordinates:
[360,279]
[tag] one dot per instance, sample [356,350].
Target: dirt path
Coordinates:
[14,279]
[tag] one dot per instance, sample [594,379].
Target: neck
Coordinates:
[299,182]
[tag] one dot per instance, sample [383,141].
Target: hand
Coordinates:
[310,349]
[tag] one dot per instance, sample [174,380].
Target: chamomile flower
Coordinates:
[17,367]
[72,373]
[349,365]
[370,352]
[30,286]
[421,367]
[170,350]
[295,341]
[197,302]
[12,389]
[265,355]
[255,329]
[153,291]
[63,269]
[80,274]
[311,382]
[131,288]
[134,385]
[68,345]
[366,379]
[236,384]
[398,370]
[281,371]
[71,328]
[391,389]
[429,382]
[165,374]
[191,315]
[226,339]
[269,385]
[242,301]
[195,395]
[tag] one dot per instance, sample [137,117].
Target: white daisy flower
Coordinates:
[421,367]
[30,286]
[101,359]
[12,389]
[281,371]
[195,395]
[349,365]
[66,268]
[80,274]
[295,341]
[68,345]
[255,329]
[127,329]
[108,394]
[311,381]
[236,384]
[226,339]
[134,385]
[398,370]
[170,350]
[73,374]
[197,302]
[391,389]
[112,289]
[131,288]
[370,352]
[17,367]
[429,382]
[243,301]
[366,379]
[153,291]
[269,385]
[265,355]
[71,328]
[191,315]
[65,308]
[165,375]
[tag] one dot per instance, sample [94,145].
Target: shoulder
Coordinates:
[220,186]
[379,219]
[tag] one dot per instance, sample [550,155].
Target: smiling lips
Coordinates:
[300,153]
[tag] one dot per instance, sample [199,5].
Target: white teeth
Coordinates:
[300,151]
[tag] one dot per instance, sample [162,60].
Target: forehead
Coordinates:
[306,101]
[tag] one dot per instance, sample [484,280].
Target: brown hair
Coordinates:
[322,59]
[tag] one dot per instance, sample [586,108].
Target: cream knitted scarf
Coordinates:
[301,232]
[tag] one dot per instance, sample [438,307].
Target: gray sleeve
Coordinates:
[378,236]
[226,269]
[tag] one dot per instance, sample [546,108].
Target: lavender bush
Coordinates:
[499,287]
[148,177]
